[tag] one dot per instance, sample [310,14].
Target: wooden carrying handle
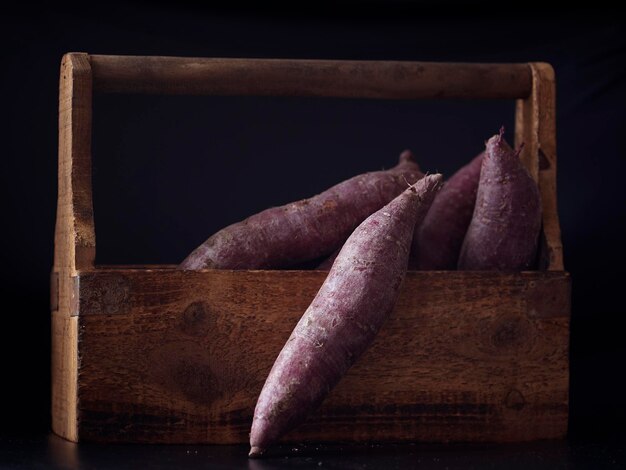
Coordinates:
[330,78]
[81,74]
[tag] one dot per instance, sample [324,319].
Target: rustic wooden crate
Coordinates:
[153,354]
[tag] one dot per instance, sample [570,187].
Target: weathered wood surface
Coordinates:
[74,239]
[291,77]
[535,126]
[179,357]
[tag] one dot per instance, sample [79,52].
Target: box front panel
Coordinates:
[180,357]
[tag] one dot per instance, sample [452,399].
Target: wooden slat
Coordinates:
[535,126]
[290,77]
[135,266]
[64,363]
[75,233]
[180,357]
[74,239]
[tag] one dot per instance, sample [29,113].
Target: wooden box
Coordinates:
[153,354]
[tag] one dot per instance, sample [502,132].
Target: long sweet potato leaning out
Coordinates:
[356,298]
[304,230]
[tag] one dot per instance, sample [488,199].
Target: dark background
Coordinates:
[170,170]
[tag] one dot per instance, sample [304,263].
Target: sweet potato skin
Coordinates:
[438,239]
[304,230]
[351,306]
[423,211]
[504,231]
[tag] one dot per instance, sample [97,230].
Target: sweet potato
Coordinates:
[356,298]
[304,230]
[438,239]
[505,226]
[425,211]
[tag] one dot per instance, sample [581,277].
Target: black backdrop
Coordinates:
[170,170]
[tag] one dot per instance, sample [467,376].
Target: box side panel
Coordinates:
[535,127]
[64,370]
[74,238]
[180,357]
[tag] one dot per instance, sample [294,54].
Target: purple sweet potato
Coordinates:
[424,211]
[356,298]
[438,239]
[504,231]
[304,230]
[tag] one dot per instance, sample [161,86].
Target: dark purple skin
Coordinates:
[504,231]
[424,211]
[304,230]
[438,239]
[356,298]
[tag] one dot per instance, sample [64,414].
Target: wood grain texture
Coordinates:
[535,126]
[64,364]
[290,77]
[179,357]
[74,239]
[75,226]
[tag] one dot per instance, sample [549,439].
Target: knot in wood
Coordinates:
[196,381]
[509,333]
[515,400]
[196,320]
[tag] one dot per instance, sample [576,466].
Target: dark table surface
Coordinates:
[47,451]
